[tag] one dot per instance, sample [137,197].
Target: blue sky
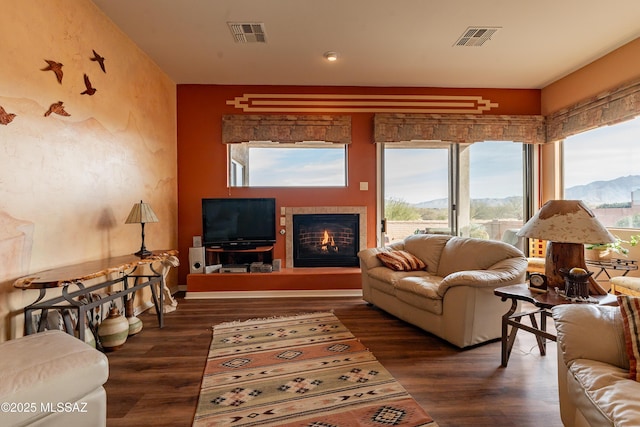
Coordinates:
[602,154]
[418,175]
[296,167]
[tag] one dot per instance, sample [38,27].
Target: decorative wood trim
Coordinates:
[458,128]
[286,129]
[335,103]
[617,105]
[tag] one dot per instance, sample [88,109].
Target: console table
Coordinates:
[77,274]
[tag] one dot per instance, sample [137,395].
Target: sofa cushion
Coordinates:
[609,388]
[578,324]
[630,310]
[401,261]
[461,254]
[421,292]
[384,274]
[427,247]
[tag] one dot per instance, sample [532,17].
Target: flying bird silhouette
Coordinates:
[5,118]
[57,108]
[90,89]
[99,59]
[56,67]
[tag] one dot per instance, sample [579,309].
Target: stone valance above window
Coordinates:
[239,128]
[458,128]
[614,106]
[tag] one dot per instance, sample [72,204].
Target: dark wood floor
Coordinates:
[155,378]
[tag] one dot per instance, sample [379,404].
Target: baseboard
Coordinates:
[326,293]
[142,308]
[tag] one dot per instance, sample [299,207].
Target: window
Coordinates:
[306,164]
[471,190]
[601,168]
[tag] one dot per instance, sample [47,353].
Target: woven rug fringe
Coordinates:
[264,319]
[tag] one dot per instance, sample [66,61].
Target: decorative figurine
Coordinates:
[57,108]
[56,67]
[5,118]
[90,89]
[99,59]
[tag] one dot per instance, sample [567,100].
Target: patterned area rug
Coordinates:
[306,370]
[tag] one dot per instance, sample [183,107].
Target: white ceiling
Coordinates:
[380,42]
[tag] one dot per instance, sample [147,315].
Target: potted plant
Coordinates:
[605,251]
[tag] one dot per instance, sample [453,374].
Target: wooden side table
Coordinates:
[543,302]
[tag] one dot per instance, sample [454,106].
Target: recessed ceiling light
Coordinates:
[331,56]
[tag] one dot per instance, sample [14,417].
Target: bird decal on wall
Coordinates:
[90,89]
[5,118]
[99,59]
[56,67]
[57,108]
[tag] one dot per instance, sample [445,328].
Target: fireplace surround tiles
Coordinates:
[311,223]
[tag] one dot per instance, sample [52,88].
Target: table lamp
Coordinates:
[567,225]
[141,213]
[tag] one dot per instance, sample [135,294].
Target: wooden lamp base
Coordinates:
[567,256]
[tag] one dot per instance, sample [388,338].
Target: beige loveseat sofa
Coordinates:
[593,368]
[453,297]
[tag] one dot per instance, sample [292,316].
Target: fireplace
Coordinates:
[326,240]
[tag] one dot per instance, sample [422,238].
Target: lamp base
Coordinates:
[143,253]
[568,256]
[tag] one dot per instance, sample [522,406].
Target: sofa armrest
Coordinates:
[506,272]
[587,331]
[369,259]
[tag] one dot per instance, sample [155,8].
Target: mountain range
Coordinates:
[595,193]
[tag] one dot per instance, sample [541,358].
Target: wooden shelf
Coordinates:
[252,250]
[320,278]
[239,256]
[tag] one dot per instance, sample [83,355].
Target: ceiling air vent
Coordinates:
[476,36]
[248,32]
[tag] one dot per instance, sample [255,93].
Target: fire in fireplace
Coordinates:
[326,240]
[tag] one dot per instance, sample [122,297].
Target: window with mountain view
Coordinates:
[602,168]
[487,184]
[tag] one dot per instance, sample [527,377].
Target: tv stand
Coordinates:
[238,246]
[239,254]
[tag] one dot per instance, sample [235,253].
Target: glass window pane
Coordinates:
[602,168]
[290,166]
[416,189]
[495,191]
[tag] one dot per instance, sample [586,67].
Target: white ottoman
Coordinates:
[52,379]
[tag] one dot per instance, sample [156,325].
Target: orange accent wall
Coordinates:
[612,70]
[202,158]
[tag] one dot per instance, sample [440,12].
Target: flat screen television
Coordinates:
[238,222]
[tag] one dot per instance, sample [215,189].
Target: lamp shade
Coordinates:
[566,221]
[141,213]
